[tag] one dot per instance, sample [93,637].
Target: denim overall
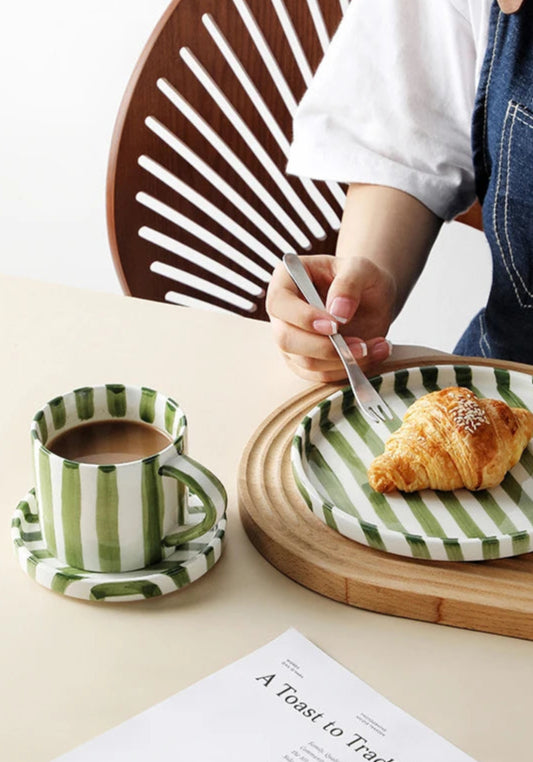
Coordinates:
[502,140]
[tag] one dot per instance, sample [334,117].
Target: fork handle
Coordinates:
[301,278]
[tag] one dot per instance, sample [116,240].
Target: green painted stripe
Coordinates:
[430,376]
[180,577]
[527,461]
[459,514]
[209,554]
[306,426]
[42,553]
[64,578]
[84,402]
[324,407]
[372,535]
[153,507]
[128,588]
[29,517]
[181,497]
[327,512]
[59,413]
[297,442]
[40,420]
[401,388]
[31,567]
[27,536]
[46,496]
[463,375]
[418,546]
[170,415]
[107,518]
[503,384]
[517,494]
[494,511]
[71,513]
[116,400]
[147,405]
[521,543]
[329,482]
[453,549]
[491,548]
[427,520]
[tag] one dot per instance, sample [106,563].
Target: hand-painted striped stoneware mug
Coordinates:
[118,511]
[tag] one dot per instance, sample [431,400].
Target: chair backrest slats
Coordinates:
[200,208]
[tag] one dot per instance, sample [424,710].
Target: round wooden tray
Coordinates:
[491,596]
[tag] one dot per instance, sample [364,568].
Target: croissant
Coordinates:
[451,439]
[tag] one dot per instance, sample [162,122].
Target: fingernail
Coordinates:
[326,327]
[342,309]
[358,347]
[382,349]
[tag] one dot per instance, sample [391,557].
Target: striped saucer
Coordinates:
[334,446]
[186,565]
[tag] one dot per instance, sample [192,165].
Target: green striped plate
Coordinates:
[190,562]
[335,444]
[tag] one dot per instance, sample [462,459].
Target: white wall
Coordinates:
[452,288]
[63,69]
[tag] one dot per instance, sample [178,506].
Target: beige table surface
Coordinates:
[70,669]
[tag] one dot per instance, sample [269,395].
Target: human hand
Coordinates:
[359,298]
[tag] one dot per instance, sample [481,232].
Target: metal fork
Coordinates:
[371,404]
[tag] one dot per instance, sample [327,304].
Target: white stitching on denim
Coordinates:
[506,210]
[486,94]
[495,205]
[524,122]
[483,335]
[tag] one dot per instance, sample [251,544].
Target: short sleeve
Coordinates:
[391,103]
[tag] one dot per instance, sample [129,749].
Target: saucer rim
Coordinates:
[99,587]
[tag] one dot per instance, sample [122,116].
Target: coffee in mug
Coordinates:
[112,479]
[113,441]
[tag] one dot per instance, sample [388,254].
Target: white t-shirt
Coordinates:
[391,103]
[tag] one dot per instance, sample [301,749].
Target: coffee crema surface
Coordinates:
[109,442]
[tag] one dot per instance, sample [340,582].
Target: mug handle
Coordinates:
[206,486]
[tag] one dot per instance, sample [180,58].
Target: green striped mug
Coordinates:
[117,517]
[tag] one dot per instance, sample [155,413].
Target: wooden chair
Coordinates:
[199,206]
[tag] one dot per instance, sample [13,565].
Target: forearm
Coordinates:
[391,228]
